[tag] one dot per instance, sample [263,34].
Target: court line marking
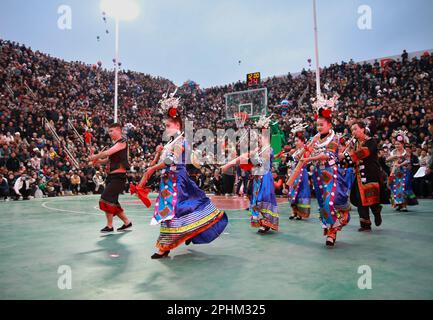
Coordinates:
[45,205]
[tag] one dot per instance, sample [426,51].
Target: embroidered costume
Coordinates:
[299,193]
[330,187]
[263,205]
[366,189]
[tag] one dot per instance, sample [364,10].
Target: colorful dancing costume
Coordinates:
[263,206]
[330,187]
[300,193]
[183,210]
[329,184]
[400,179]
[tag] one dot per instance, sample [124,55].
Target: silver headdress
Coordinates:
[264,121]
[169,101]
[322,103]
[401,136]
[299,127]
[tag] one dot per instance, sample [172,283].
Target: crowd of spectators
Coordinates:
[76,100]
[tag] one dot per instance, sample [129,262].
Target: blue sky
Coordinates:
[203,40]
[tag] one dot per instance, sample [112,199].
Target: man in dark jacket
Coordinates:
[4,188]
[12,163]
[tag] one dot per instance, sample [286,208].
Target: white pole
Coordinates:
[316,48]
[116,70]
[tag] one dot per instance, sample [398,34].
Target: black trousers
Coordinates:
[364,214]
[228,183]
[4,193]
[115,185]
[25,193]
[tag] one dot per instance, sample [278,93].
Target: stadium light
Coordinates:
[125,10]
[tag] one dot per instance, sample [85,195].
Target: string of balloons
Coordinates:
[107,32]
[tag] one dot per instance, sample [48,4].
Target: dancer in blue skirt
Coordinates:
[300,193]
[263,203]
[182,209]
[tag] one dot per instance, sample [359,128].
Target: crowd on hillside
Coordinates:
[76,100]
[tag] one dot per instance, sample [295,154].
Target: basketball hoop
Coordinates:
[240,118]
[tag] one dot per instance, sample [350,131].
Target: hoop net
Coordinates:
[240,118]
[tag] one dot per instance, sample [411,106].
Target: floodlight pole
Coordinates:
[116,70]
[316,48]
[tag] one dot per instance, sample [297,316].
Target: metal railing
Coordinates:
[79,137]
[53,132]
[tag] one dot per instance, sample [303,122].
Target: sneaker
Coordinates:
[107,229]
[125,227]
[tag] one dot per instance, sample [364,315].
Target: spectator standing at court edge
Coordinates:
[75,183]
[4,188]
[430,165]
[429,171]
[99,182]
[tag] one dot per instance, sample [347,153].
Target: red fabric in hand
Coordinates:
[142,194]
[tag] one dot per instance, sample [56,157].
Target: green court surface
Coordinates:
[40,235]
